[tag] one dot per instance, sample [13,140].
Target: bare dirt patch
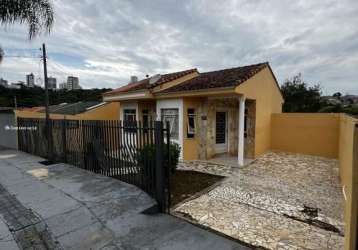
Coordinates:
[185,184]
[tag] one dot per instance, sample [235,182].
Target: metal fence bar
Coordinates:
[159,171]
[168,168]
[130,152]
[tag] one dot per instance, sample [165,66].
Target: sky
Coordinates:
[106,42]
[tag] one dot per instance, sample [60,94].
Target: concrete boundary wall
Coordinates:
[306,133]
[348,167]
[328,135]
[8,136]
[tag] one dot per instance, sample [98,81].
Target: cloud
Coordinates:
[105,42]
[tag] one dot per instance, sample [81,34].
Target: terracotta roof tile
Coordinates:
[144,83]
[218,79]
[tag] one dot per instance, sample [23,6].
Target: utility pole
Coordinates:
[46,82]
[47,121]
[15,102]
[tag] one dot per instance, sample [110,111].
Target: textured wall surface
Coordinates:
[348,166]
[262,88]
[249,148]
[8,137]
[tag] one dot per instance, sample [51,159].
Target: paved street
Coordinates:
[63,207]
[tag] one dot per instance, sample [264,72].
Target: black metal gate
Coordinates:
[130,152]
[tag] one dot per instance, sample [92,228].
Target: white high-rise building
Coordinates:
[30,80]
[72,83]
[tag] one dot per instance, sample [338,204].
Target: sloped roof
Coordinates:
[144,83]
[72,108]
[33,109]
[218,79]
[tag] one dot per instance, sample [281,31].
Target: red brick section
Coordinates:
[144,84]
[218,79]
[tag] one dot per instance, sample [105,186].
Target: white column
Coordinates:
[241,121]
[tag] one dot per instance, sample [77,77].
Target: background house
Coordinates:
[93,110]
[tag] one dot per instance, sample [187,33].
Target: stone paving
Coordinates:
[279,201]
[208,167]
[28,230]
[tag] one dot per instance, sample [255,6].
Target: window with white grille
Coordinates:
[172,117]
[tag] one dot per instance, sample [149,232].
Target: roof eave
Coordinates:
[133,95]
[201,92]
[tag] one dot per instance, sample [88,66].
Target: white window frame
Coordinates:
[131,114]
[173,104]
[171,121]
[128,105]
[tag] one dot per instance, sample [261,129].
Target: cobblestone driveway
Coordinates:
[280,201]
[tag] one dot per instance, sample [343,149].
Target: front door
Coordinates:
[221,132]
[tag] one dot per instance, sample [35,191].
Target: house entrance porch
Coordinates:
[226,129]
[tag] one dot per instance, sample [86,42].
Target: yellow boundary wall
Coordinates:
[327,135]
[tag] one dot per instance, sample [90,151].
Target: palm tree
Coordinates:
[37,14]
[1,54]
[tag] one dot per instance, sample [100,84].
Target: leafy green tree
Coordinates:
[37,14]
[337,95]
[31,97]
[299,97]
[353,110]
[331,109]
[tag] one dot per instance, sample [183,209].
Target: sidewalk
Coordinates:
[63,207]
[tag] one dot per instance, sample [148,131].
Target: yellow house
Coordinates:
[218,113]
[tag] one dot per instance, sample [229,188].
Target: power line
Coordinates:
[19,53]
[22,57]
[52,64]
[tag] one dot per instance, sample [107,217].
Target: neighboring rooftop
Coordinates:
[7,110]
[72,108]
[145,84]
[32,109]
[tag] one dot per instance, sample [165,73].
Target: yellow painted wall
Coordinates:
[190,145]
[263,88]
[109,111]
[34,114]
[328,135]
[348,161]
[313,134]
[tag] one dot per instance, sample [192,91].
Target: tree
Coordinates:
[37,14]
[337,95]
[299,97]
[30,97]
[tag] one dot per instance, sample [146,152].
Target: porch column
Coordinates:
[241,121]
